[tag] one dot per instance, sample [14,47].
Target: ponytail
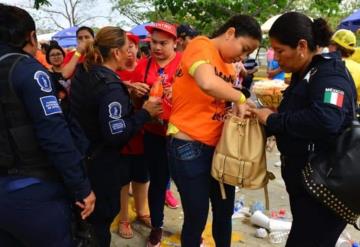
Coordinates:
[291,27]
[321,32]
[100,51]
[93,56]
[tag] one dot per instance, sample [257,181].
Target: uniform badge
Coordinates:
[43,81]
[115,110]
[50,105]
[334,97]
[117,126]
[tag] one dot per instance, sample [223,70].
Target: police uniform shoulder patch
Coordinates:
[50,105]
[115,110]
[117,126]
[43,80]
[334,97]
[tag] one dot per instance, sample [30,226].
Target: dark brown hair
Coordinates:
[244,26]
[15,26]
[107,38]
[52,47]
[291,27]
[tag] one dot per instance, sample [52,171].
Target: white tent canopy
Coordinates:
[267,24]
[46,36]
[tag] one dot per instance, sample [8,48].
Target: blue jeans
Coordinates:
[190,164]
[36,215]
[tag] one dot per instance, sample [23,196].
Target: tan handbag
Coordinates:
[240,157]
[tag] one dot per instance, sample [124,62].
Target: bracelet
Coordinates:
[77,54]
[242,99]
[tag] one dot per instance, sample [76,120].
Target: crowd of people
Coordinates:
[111,118]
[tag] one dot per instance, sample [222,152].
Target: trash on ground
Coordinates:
[261,233]
[278,237]
[257,206]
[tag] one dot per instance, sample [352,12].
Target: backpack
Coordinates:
[239,158]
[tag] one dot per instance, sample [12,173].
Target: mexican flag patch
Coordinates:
[334,97]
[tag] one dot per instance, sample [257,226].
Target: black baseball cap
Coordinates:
[184,30]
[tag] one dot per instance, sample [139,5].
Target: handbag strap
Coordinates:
[147,69]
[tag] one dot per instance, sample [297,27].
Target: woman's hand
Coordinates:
[241,110]
[251,103]
[87,205]
[140,89]
[262,114]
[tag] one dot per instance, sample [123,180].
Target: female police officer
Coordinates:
[38,157]
[101,103]
[306,115]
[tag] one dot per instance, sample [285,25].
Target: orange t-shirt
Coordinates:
[42,59]
[193,112]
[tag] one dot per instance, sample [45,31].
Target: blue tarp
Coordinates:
[67,37]
[140,30]
[352,22]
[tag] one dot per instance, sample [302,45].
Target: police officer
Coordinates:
[316,107]
[101,104]
[39,163]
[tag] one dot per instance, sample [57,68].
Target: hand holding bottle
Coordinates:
[156,91]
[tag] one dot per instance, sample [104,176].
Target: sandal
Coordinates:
[144,219]
[125,230]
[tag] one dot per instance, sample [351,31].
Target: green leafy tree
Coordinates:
[137,11]
[207,14]
[39,3]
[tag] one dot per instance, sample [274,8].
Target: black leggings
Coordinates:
[157,162]
[313,224]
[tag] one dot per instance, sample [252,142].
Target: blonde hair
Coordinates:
[99,51]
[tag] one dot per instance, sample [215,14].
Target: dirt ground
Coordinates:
[243,231]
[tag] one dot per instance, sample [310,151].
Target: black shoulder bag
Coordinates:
[333,178]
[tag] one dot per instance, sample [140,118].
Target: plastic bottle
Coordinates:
[342,242]
[156,91]
[238,206]
[278,237]
[257,206]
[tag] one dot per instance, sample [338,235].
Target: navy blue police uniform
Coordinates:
[39,162]
[101,104]
[314,110]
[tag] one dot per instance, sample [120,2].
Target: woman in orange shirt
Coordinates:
[200,90]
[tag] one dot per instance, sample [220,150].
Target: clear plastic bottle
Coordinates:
[238,205]
[278,237]
[156,91]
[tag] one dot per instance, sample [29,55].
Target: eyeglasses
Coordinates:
[56,54]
